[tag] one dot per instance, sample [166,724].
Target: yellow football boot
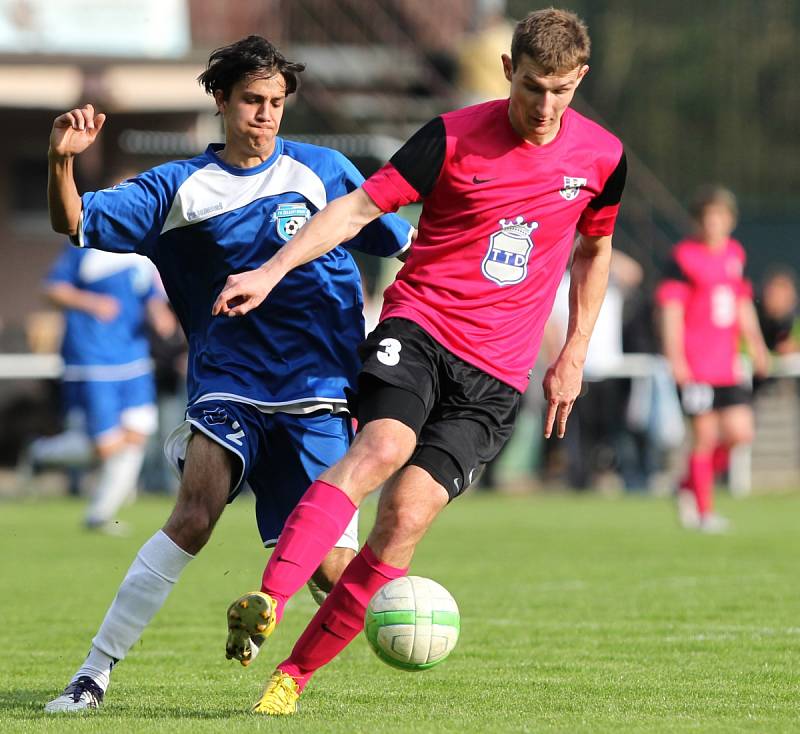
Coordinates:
[251,619]
[279,697]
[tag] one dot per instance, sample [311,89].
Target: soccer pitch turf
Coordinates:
[579,613]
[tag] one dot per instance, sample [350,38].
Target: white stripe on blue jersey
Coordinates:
[107,372]
[211,191]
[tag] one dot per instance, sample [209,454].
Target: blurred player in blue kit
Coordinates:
[267,402]
[108,386]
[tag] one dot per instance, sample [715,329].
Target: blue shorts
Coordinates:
[279,454]
[105,406]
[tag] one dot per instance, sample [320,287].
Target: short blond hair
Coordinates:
[557,41]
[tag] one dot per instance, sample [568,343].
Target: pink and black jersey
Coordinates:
[709,283]
[497,228]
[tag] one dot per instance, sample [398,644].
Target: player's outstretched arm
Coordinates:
[338,222]
[67,296]
[588,282]
[672,336]
[72,133]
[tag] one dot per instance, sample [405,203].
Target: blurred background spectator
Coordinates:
[169,351]
[108,389]
[595,442]
[706,311]
[777,311]
[480,73]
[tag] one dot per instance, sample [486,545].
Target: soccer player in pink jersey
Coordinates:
[706,305]
[504,187]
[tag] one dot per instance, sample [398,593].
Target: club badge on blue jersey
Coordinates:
[289,218]
[506,260]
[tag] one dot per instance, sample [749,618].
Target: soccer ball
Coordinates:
[412,623]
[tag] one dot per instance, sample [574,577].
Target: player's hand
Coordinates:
[245,291]
[562,386]
[681,372]
[74,131]
[103,307]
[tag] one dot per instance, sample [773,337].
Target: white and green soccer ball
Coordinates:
[412,623]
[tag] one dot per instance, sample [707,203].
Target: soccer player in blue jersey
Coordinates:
[108,384]
[266,393]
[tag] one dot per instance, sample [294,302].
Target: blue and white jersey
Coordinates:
[201,220]
[106,350]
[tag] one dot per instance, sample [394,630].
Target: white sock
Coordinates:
[71,448]
[142,593]
[119,475]
[98,667]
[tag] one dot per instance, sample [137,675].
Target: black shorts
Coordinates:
[699,397]
[462,416]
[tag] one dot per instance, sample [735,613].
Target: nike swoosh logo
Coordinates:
[477,180]
[327,629]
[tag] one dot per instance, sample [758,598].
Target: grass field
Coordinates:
[578,614]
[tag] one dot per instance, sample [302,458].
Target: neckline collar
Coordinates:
[212,151]
[545,148]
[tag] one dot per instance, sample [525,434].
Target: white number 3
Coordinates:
[390,355]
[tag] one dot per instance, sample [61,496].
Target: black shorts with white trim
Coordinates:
[461,415]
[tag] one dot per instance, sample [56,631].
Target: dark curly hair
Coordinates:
[253,56]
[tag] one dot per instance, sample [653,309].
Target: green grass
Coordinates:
[578,614]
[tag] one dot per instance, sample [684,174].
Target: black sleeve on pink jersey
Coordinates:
[615,183]
[420,160]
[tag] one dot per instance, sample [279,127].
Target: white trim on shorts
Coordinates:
[176,443]
[302,406]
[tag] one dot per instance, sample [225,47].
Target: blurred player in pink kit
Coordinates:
[504,185]
[707,305]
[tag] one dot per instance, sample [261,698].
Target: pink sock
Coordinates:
[341,617]
[313,527]
[701,476]
[721,459]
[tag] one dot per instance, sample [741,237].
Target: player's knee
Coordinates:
[742,436]
[384,453]
[400,522]
[191,523]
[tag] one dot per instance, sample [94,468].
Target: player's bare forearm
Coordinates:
[72,133]
[161,317]
[63,200]
[64,295]
[67,296]
[588,283]
[338,222]
[672,336]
